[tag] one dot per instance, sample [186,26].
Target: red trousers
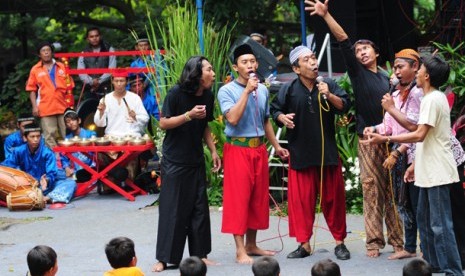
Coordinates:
[303,189]
[245,189]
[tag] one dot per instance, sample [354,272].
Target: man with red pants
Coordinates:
[307,107]
[244,104]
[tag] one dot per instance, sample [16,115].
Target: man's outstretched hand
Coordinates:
[317,7]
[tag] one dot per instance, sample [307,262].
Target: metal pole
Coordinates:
[200,24]
[302,23]
[326,47]
[328,56]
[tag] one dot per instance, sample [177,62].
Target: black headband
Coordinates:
[23,119]
[32,129]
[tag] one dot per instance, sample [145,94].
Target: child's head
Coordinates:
[265,266]
[417,267]
[72,119]
[120,252]
[326,268]
[193,266]
[42,261]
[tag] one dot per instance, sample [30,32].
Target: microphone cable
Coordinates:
[318,207]
[391,184]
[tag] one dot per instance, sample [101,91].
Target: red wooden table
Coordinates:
[128,153]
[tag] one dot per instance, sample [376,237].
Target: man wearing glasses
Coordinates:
[307,108]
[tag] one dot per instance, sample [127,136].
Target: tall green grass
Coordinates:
[177,33]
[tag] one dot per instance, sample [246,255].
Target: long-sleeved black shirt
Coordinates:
[304,140]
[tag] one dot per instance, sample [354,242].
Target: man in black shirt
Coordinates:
[307,109]
[183,211]
[369,86]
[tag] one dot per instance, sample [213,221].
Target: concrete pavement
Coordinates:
[79,232]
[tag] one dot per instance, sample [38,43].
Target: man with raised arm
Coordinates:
[369,85]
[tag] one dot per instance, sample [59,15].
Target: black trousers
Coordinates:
[183,213]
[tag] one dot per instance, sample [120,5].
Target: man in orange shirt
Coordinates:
[47,85]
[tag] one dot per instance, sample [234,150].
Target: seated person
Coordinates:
[122,257]
[193,266]
[326,268]
[266,266]
[121,111]
[72,122]
[39,161]
[42,261]
[16,138]
[148,95]
[417,267]
[137,85]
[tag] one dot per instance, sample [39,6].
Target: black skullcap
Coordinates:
[32,127]
[134,78]
[43,44]
[243,49]
[25,117]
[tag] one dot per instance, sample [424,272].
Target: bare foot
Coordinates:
[159,267]
[243,258]
[209,262]
[401,255]
[256,251]
[373,253]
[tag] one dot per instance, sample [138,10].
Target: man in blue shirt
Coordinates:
[147,91]
[35,158]
[16,138]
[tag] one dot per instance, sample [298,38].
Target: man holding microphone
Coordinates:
[307,107]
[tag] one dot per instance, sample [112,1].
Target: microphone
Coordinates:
[393,83]
[320,79]
[253,75]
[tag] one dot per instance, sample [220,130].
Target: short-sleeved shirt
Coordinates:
[256,112]
[50,94]
[125,271]
[434,161]
[305,139]
[369,88]
[183,145]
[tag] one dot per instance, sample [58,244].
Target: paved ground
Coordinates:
[79,232]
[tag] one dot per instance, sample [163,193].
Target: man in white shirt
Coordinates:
[121,112]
